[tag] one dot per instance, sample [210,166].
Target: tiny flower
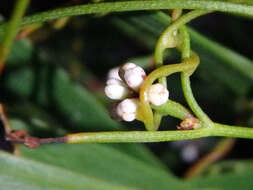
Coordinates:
[158,94]
[114,73]
[116,91]
[127,109]
[133,75]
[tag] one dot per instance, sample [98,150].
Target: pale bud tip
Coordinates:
[134,77]
[116,92]
[114,81]
[158,94]
[114,73]
[127,109]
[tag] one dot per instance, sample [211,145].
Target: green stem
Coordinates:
[12,29]
[173,109]
[168,40]
[222,6]
[160,136]
[136,136]
[186,84]
[231,131]
[145,112]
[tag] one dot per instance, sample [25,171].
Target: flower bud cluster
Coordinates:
[126,81]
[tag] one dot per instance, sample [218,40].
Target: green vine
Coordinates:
[243,8]
[175,36]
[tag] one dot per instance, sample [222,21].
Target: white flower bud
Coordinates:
[133,75]
[127,109]
[114,73]
[116,91]
[114,81]
[127,66]
[158,94]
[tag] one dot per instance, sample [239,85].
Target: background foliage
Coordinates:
[53,85]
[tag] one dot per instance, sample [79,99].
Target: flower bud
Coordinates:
[133,75]
[114,81]
[116,91]
[114,73]
[127,109]
[158,94]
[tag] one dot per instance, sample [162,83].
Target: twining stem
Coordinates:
[12,30]
[168,39]
[185,80]
[146,111]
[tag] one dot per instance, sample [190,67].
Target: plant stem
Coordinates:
[232,131]
[167,39]
[185,80]
[12,30]
[160,136]
[136,136]
[173,109]
[222,6]
[192,102]
[145,111]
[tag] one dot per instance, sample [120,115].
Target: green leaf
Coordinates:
[227,167]
[21,52]
[25,174]
[225,182]
[105,163]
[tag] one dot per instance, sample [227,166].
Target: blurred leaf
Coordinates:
[21,52]
[225,182]
[25,174]
[105,163]
[230,166]
[52,87]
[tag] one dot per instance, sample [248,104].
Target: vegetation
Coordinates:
[53,68]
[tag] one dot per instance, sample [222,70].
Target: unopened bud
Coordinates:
[116,91]
[127,109]
[158,94]
[133,75]
[114,73]
[114,81]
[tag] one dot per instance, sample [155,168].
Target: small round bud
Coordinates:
[114,73]
[114,81]
[127,109]
[133,75]
[158,94]
[125,67]
[116,92]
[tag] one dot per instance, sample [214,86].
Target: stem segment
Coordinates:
[12,30]
[160,136]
